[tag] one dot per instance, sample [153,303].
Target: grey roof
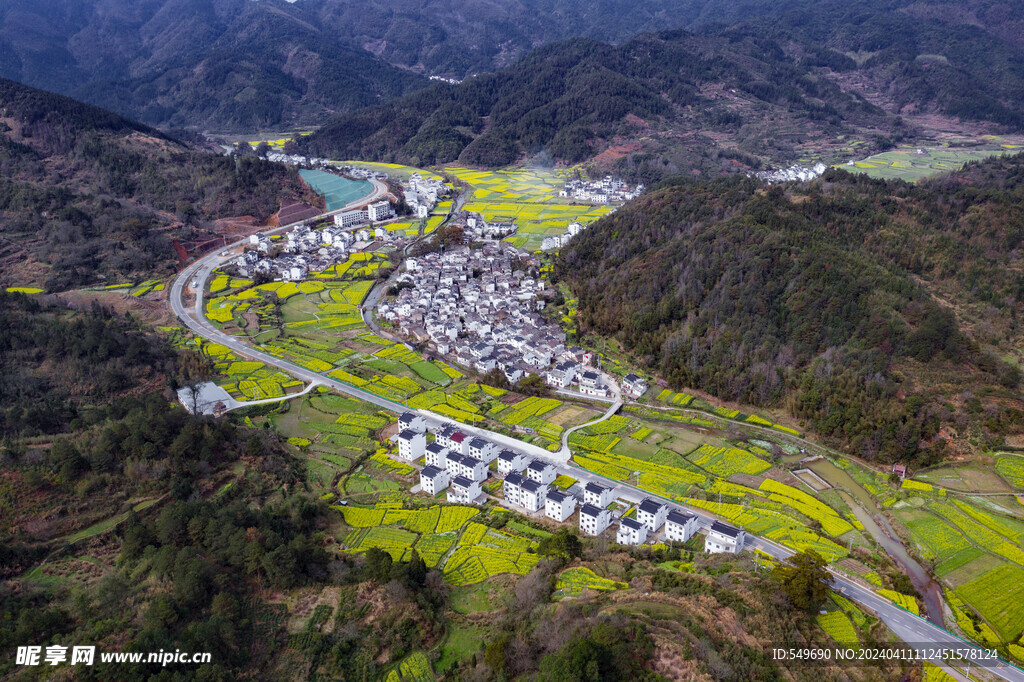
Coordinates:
[650,506]
[462,482]
[408,434]
[430,471]
[508,456]
[436,447]
[514,479]
[458,458]
[595,488]
[631,377]
[538,465]
[408,417]
[590,510]
[558,496]
[632,524]
[590,375]
[477,443]
[724,529]
[680,517]
[532,486]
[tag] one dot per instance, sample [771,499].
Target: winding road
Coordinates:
[917,632]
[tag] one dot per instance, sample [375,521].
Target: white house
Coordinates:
[380,211]
[463,490]
[559,506]
[467,466]
[540,471]
[411,444]
[436,456]
[483,449]
[509,461]
[413,422]
[594,520]
[598,495]
[652,514]
[634,385]
[433,480]
[723,538]
[512,488]
[680,526]
[459,442]
[532,495]
[631,532]
[350,218]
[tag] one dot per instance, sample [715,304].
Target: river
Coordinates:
[878,527]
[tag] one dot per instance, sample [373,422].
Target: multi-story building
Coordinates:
[436,455]
[412,422]
[631,532]
[463,490]
[594,520]
[510,460]
[598,495]
[411,444]
[540,471]
[652,514]
[680,526]
[380,211]
[723,538]
[559,505]
[433,480]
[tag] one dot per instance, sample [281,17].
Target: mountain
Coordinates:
[734,96]
[227,65]
[87,196]
[884,315]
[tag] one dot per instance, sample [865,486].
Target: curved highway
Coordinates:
[917,632]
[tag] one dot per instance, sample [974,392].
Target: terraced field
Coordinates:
[573,581]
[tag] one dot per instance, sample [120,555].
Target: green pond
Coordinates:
[336,190]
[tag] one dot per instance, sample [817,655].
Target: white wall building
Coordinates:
[433,480]
[723,538]
[463,490]
[680,526]
[483,449]
[652,514]
[510,461]
[350,218]
[411,444]
[412,422]
[598,495]
[594,520]
[512,488]
[559,505]
[532,495]
[436,455]
[380,211]
[467,466]
[540,471]
[631,532]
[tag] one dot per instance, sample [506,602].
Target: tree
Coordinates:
[378,565]
[563,544]
[417,572]
[805,579]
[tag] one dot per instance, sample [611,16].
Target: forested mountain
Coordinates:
[572,100]
[87,196]
[209,64]
[886,315]
[235,64]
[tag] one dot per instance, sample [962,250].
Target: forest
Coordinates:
[568,99]
[877,312]
[88,197]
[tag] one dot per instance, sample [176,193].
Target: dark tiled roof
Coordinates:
[682,518]
[650,506]
[430,471]
[558,496]
[591,510]
[595,488]
[724,529]
[532,486]
[408,434]
[462,482]
[514,479]
[632,524]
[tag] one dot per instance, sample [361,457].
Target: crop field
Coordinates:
[905,600]
[979,533]
[572,581]
[725,462]
[997,596]
[938,539]
[669,481]
[513,415]
[838,627]
[1011,468]
[958,560]
[396,542]
[677,399]
[808,505]
[415,668]
[907,164]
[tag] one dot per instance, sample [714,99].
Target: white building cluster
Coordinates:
[796,172]
[604,191]
[475,305]
[476,228]
[422,194]
[374,213]
[560,240]
[301,251]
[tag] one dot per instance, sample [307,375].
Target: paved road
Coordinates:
[914,630]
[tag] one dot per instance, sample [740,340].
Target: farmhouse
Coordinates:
[436,455]
[594,520]
[540,471]
[634,385]
[680,526]
[433,480]
[510,460]
[652,514]
[532,495]
[631,532]
[411,444]
[512,488]
[559,505]
[483,449]
[412,422]
[723,538]
[467,466]
[598,495]
[463,490]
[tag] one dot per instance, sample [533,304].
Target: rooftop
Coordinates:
[724,529]
[650,506]
[680,517]
[632,524]
[430,471]
[591,510]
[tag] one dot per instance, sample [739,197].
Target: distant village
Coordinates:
[460,463]
[604,191]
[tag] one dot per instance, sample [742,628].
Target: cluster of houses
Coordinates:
[560,240]
[373,213]
[475,228]
[604,191]
[478,307]
[422,194]
[460,463]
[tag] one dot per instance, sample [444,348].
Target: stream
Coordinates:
[880,529]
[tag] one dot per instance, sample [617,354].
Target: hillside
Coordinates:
[87,196]
[223,65]
[730,98]
[883,315]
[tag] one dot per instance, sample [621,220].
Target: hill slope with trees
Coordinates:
[884,315]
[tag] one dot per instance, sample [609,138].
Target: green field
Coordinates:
[907,164]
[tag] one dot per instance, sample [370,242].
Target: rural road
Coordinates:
[916,631]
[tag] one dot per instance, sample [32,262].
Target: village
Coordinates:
[461,464]
[607,190]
